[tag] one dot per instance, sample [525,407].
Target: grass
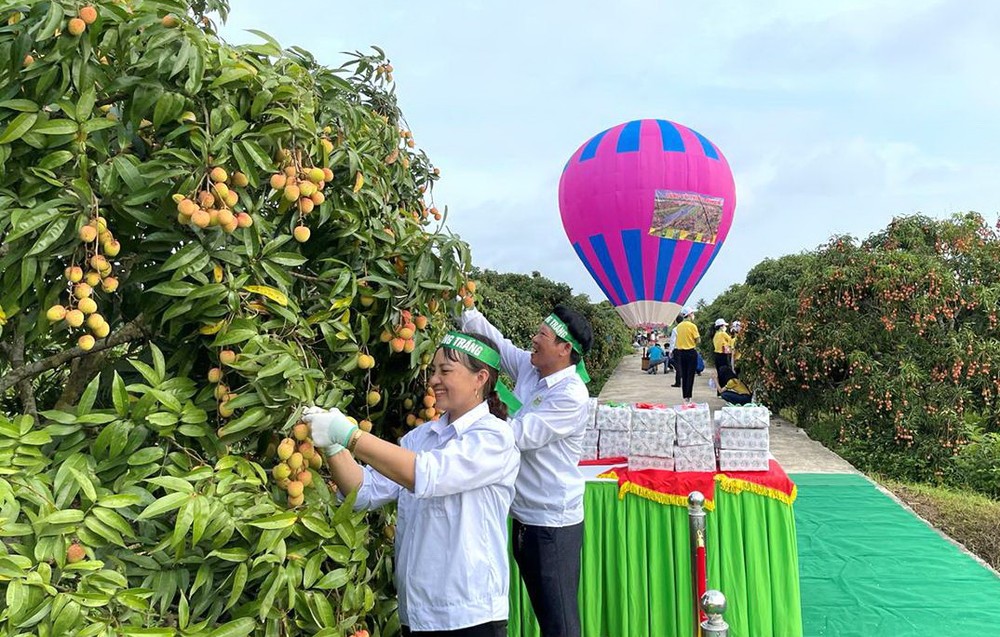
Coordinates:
[968,517]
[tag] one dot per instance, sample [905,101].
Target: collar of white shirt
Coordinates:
[463,423]
[555,377]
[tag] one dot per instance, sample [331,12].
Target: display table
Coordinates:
[636,570]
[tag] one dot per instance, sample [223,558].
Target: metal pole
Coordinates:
[696,528]
[714,604]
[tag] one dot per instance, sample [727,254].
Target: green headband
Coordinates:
[474,348]
[562,331]
[488,356]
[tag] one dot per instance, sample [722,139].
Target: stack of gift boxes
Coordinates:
[683,438]
[743,438]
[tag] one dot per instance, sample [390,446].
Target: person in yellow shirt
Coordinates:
[730,388]
[687,355]
[723,344]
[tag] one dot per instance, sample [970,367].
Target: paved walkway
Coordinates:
[797,452]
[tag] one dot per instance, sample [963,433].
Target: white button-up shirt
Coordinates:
[548,430]
[451,531]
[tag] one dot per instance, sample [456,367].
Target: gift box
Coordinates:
[591,413]
[748,439]
[694,426]
[657,419]
[694,458]
[591,437]
[589,452]
[744,460]
[746,417]
[639,463]
[614,417]
[652,443]
[614,444]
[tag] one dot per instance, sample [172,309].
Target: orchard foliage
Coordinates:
[887,347]
[252,232]
[517,304]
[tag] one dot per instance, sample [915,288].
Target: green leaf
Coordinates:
[85,106]
[86,402]
[235,554]
[334,579]
[86,485]
[56,127]
[69,516]
[119,395]
[279,521]
[230,75]
[174,288]
[171,483]
[184,256]
[18,127]
[129,173]
[258,155]
[56,159]
[145,456]
[250,419]
[25,106]
[236,628]
[49,236]
[119,500]
[239,581]
[163,505]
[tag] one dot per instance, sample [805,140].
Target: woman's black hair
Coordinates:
[474,365]
[579,328]
[726,374]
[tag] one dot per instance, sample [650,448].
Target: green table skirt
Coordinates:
[636,574]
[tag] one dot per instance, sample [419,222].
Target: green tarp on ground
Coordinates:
[869,567]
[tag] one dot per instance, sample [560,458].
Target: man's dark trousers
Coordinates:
[549,560]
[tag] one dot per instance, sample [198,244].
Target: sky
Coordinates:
[834,115]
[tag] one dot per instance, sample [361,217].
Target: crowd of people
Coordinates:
[493,453]
[681,355]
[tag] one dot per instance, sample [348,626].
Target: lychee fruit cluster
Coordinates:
[296,456]
[214,205]
[301,187]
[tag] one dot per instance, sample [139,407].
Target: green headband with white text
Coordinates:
[486,355]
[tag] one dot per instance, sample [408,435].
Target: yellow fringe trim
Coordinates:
[659,496]
[609,474]
[736,486]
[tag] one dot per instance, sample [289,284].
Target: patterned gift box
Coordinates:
[639,463]
[591,413]
[614,417]
[660,420]
[589,452]
[591,437]
[747,417]
[694,426]
[696,458]
[748,439]
[654,444]
[614,444]
[743,460]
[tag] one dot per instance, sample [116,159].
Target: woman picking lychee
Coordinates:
[453,479]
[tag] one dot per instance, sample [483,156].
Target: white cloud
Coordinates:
[834,115]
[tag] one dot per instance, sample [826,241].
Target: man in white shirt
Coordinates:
[548,430]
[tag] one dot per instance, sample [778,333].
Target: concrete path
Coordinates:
[796,451]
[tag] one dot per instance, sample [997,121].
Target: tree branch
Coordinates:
[132,331]
[24,388]
[84,370]
[306,277]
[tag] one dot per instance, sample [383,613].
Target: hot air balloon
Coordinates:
[647,205]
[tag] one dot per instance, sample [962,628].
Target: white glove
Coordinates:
[331,430]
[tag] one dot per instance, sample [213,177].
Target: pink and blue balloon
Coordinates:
[647,206]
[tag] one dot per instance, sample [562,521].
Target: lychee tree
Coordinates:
[198,239]
[886,347]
